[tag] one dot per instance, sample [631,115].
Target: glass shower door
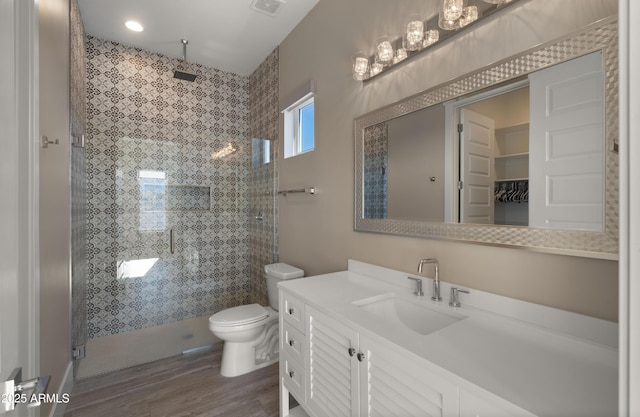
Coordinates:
[175,232]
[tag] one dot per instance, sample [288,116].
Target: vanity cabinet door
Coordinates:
[393,383]
[332,382]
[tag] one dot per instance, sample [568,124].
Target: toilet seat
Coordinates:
[239,316]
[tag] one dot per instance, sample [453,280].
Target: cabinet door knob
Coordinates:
[352,351]
[361,356]
[291,374]
[291,311]
[292,342]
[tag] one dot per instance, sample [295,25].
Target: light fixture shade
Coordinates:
[451,9]
[446,24]
[469,15]
[376,68]
[414,29]
[410,45]
[401,55]
[384,51]
[360,66]
[413,33]
[431,36]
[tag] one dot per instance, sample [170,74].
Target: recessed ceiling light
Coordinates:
[134,26]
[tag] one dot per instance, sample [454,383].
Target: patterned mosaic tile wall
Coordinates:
[145,126]
[264,117]
[78,182]
[375,175]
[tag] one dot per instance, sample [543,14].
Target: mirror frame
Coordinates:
[599,36]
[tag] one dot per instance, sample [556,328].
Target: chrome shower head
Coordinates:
[178,72]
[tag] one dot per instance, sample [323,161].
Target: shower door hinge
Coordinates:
[77,141]
[78,352]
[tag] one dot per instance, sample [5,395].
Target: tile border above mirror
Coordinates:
[601,35]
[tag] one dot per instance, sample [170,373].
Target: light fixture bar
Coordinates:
[391,52]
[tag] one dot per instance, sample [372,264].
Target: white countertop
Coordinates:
[544,370]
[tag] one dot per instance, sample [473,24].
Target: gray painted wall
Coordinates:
[316,233]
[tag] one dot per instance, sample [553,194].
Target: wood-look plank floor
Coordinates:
[181,386]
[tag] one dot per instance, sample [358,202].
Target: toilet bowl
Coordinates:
[250,332]
[247,332]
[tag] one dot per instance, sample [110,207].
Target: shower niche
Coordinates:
[155,197]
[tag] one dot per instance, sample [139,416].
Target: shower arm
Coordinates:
[184,49]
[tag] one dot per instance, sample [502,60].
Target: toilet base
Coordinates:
[242,358]
[237,367]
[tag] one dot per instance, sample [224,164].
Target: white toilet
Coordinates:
[250,332]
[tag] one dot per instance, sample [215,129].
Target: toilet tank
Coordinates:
[275,273]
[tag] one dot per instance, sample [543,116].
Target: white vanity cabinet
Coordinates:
[349,374]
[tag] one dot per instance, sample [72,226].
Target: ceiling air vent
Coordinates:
[270,7]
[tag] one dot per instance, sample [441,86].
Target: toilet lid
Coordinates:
[234,316]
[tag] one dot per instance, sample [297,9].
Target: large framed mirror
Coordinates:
[419,172]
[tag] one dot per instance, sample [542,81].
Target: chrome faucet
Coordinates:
[436,282]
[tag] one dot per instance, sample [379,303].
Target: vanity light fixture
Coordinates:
[420,34]
[134,26]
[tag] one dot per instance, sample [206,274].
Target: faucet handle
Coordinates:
[454,300]
[418,290]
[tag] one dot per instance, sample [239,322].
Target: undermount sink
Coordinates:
[416,316]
